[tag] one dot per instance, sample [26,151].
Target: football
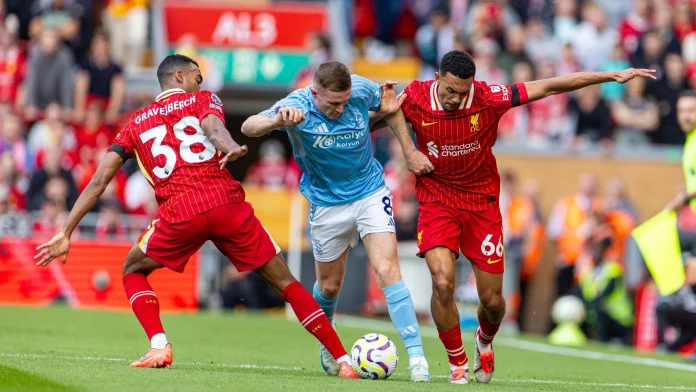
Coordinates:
[374,356]
[568,309]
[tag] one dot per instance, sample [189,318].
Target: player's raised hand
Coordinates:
[59,245]
[289,117]
[390,104]
[418,163]
[233,155]
[628,74]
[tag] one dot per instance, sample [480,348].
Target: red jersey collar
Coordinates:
[435,100]
[168,93]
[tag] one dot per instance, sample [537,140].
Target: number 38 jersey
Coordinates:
[176,156]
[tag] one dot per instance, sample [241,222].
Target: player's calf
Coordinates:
[491,313]
[381,250]
[315,322]
[143,299]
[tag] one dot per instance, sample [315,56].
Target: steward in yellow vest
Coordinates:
[610,310]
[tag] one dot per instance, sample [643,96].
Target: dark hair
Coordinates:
[687,94]
[332,76]
[171,64]
[459,64]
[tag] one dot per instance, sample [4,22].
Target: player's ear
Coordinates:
[314,92]
[437,76]
[179,76]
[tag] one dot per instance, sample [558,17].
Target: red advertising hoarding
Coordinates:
[283,27]
[91,278]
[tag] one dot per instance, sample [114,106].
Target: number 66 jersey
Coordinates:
[176,156]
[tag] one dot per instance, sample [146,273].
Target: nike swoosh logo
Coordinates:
[460,363]
[493,261]
[425,124]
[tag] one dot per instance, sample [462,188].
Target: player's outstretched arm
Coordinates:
[259,124]
[539,89]
[59,245]
[221,138]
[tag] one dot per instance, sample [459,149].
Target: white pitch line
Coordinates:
[296,368]
[385,326]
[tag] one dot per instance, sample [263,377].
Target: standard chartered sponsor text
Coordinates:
[460,149]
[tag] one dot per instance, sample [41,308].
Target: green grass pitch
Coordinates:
[59,349]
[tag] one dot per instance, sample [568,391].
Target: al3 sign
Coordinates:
[278,27]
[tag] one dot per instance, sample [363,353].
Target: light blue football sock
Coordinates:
[403,315]
[328,305]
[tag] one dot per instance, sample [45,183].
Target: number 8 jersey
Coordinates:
[176,156]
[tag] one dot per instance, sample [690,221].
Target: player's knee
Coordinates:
[387,272]
[443,288]
[330,287]
[138,265]
[493,301]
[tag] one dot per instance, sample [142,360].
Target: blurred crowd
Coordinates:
[62,96]
[522,40]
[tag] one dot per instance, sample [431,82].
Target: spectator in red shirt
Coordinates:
[684,20]
[272,171]
[52,218]
[99,81]
[109,224]
[489,18]
[634,25]
[93,133]
[13,64]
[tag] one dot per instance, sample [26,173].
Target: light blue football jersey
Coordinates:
[335,155]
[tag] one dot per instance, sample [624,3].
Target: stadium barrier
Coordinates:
[90,279]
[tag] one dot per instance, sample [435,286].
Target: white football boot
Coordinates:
[484,363]
[328,362]
[419,370]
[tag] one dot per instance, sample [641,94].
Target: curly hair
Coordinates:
[459,64]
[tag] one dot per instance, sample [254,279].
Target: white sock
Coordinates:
[455,367]
[417,361]
[158,341]
[345,359]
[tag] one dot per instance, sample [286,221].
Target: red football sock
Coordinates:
[486,331]
[313,319]
[452,340]
[144,303]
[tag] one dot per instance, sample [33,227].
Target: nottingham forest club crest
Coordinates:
[359,120]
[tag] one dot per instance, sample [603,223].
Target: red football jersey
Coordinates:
[459,143]
[176,156]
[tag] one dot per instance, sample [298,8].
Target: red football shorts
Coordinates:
[233,228]
[479,234]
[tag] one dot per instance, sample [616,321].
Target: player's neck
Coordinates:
[169,91]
